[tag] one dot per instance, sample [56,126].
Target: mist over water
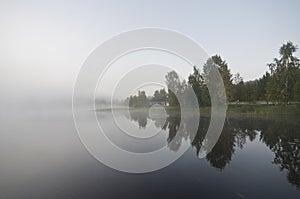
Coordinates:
[44,45]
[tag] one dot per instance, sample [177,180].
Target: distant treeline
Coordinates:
[281,84]
[141,100]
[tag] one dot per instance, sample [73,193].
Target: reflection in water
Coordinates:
[281,137]
[283,140]
[140,117]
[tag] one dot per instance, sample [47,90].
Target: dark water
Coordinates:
[42,157]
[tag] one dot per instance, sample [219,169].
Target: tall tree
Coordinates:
[213,82]
[238,88]
[296,88]
[139,100]
[262,86]
[160,94]
[174,88]
[196,81]
[282,73]
[226,75]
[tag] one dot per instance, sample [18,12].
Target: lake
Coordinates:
[43,157]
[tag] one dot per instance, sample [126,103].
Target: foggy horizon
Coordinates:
[45,44]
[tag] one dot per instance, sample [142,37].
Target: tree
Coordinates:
[160,94]
[251,91]
[273,89]
[296,88]
[238,88]
[139,100]
[225,74]
[237,79]
[262,86]
[213,82]
[130,101]
[281,84]
[196,81]
[142,99]
[174,88]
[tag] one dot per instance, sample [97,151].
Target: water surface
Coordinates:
[43,157]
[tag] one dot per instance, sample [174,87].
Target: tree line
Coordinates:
[281,84]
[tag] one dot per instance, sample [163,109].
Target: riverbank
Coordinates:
[266,112]
[250,110]
[238,110]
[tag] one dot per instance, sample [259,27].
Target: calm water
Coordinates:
[42,157]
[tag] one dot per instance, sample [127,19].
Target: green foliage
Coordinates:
[175,88]
[226,76]
[160,95]
[213,81]
[139,100]
[262,86]
[283,79]
[196,81]
[280,85]
[296,86]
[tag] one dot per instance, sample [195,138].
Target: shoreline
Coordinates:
[245,110]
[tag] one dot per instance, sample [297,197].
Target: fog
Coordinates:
[44,44]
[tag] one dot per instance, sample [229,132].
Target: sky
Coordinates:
[45,43]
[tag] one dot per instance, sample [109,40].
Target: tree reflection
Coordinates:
[173,125]
[282,138]
[140,116]
[222,152]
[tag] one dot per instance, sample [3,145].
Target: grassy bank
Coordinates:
[263,110]
[241,110]
[249,110]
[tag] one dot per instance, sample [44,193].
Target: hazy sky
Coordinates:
[44,43]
